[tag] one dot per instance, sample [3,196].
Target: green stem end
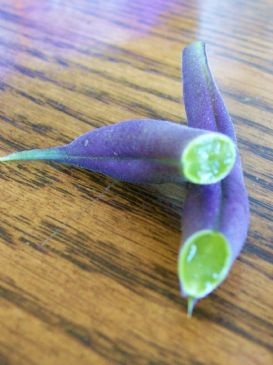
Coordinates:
[54,153]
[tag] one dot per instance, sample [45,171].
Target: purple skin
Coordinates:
[135,150]
[140,151]
[222,207]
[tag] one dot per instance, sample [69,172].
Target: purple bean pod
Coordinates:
[214,213]
[144,151]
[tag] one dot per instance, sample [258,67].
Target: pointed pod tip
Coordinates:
[54,153]
[191,304]
[4,158]
[15,156]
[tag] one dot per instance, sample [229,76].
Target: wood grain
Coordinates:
[88,264]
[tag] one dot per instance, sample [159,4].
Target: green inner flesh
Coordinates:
[208,158]
[204,262]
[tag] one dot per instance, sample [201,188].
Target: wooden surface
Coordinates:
[104,289]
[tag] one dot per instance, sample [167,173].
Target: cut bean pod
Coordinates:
[145,151]
[216,217]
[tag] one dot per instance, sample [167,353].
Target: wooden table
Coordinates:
[103,288]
